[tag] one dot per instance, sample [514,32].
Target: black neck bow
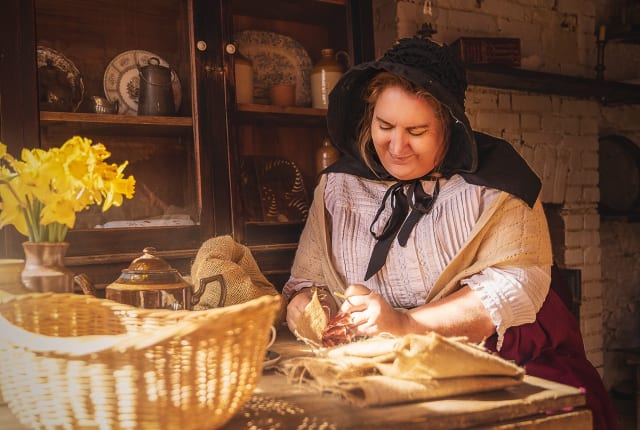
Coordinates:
[400,223]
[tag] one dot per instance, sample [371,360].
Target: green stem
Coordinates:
[29,214]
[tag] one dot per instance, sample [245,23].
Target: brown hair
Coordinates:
[379,83]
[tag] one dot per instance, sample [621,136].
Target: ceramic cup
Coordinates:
[283,94]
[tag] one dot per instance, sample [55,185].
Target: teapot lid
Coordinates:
[150,269]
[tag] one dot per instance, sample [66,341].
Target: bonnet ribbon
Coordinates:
[399,224]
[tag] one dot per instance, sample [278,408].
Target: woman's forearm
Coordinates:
[459,314]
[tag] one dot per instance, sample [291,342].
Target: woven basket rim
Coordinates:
[78,346]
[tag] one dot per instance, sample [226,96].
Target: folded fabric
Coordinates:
[387,370]
[222,255]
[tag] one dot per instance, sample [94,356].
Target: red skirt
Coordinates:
[552,348]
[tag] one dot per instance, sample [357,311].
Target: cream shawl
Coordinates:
[508,233]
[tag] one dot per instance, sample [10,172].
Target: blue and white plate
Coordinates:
[276,59]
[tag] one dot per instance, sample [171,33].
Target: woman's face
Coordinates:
[407,134]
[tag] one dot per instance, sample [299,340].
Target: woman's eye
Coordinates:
[417,131]
[385,126]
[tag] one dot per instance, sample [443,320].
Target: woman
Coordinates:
[425,225]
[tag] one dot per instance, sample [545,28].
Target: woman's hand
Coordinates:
[300,300]
[295,307]
[371,314]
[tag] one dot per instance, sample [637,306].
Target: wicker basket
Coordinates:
[71,361]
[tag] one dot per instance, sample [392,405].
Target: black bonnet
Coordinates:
[479,158]
[425,64]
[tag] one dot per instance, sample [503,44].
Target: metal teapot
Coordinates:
[151,283]
[156,89]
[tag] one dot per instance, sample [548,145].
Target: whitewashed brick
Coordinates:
[534,103]
[504,101]
[591,290]
[573,194]
[593,342]
[552,122]
[592,254]
[498,120]
[591,308]
[574,239]
[573,221]
[530,121]
[544,138]
[467,21]
[590,160]
[591,195]
[580,107]
[589,127]
[481,100]
[573,257]
[591,273]
[560,179]
[592,326]
[592,221]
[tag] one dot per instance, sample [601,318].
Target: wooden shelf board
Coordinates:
[301,116]
[129,124]
[503,77]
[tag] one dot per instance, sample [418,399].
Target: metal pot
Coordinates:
[151,283]
[156,90]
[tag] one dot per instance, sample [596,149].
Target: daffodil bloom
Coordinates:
[41,192]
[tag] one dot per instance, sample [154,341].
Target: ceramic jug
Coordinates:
[324,76]
[244,79]
[326,155]
[156,91]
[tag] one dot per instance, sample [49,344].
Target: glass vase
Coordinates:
[44,269]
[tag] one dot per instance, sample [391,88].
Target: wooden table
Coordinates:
[278,404]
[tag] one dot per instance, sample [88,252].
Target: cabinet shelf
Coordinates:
[110,124]
[256,113]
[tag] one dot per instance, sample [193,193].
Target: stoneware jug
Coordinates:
[325,75]
[156,90]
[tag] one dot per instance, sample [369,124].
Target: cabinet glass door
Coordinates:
[89,59]
[276,143]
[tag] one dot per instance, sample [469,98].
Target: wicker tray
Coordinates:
[72,361]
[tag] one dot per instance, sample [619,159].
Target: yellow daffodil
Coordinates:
[41,193]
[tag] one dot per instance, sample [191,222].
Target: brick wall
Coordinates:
[620,247]
[558,136]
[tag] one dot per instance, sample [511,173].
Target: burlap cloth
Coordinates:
[386,370]
[224,256]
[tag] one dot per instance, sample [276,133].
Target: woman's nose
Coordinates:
[397,142]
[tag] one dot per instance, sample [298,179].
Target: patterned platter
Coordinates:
[46,56]
[276,59]
[122,80]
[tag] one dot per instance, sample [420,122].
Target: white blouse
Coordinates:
[512,295]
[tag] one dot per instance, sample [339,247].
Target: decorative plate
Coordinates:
[276,59]
[47,56]
[122,80]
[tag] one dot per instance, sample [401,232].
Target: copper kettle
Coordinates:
[150,282]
